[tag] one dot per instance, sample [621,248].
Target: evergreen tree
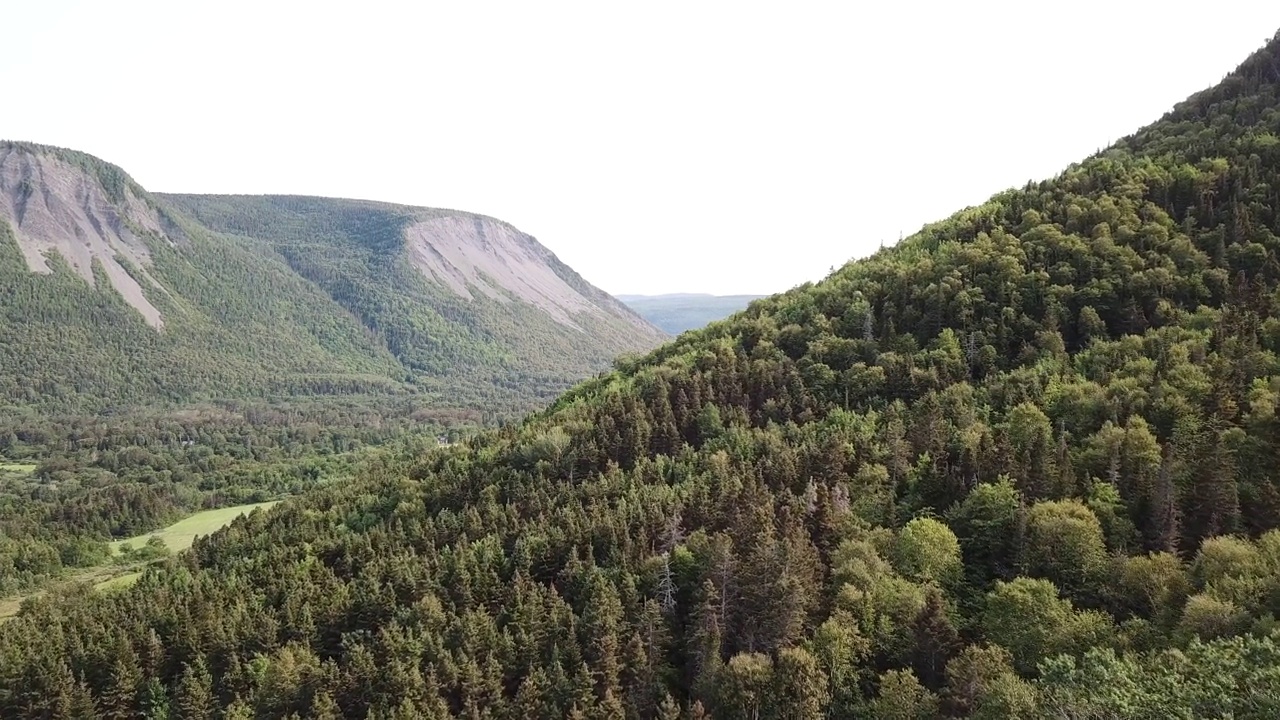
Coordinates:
[936,641]
[194,699]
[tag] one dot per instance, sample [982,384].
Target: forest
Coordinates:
[1024,464]
[69,485]
[273,299]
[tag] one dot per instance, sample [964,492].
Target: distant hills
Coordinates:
[675,313]
[113,296]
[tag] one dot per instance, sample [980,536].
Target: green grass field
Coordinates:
[10,607]
[176,537]
[118,582]
[19,468]
[179,536]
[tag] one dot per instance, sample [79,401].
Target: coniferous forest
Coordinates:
[265,346]
[1025,464]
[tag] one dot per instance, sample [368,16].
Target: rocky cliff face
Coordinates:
[470,254]
[111,295]
[56,208]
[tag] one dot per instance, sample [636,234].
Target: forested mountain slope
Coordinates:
[1022,465]
[446,291]
[111,296]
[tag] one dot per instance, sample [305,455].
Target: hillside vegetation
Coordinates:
[1023,465]
[182,299]
[80,483]
[355,252]
[165,355]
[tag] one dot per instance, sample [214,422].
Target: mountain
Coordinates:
[114,296]
[1021,465]
[676,313]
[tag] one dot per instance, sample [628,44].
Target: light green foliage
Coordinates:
[800,689]
[1208,618]
[17,468]
[858,563]
[927,551]
[1238,678]
[872,493]
[1269,553]
[981,683]
[841,650]
[1026,617]
[883,604]
[988,527]
[1221,559]
[1031,445]
[1231,569]
[1065,545]
[1151,586]
[152,549]
[745,686]
[885,611]
[1112,514]
[118,582]
[902,697]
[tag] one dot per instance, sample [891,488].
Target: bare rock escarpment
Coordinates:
[55,207]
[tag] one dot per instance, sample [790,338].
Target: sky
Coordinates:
[655,147]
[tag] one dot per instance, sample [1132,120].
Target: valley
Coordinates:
[275,456]
[177,356]
[677,313]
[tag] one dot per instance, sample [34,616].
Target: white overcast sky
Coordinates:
[654,146]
